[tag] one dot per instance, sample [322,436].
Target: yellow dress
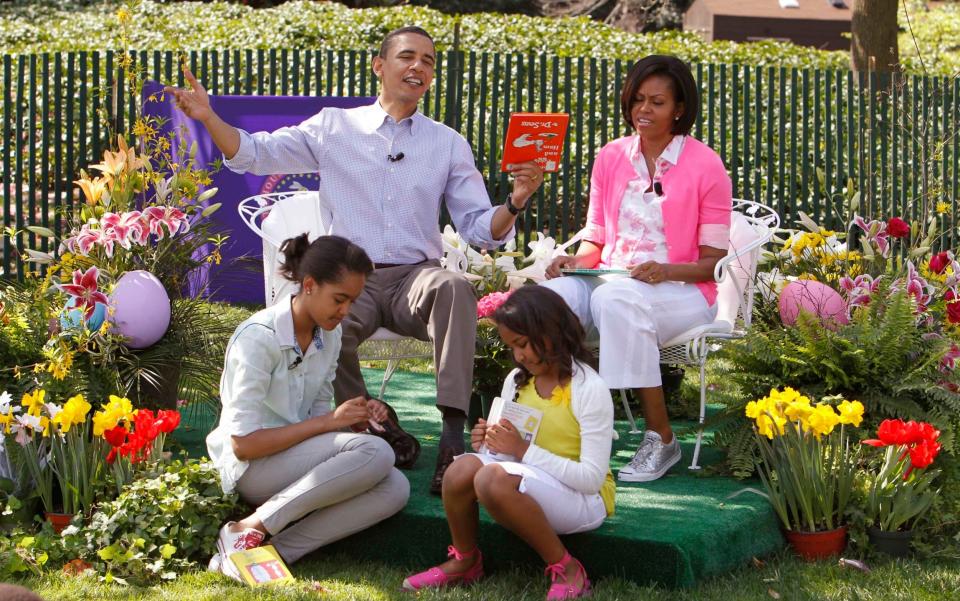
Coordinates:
[559,430]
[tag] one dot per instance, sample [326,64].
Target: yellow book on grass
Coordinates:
[261,565]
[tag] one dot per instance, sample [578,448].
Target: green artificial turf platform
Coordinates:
[673,532]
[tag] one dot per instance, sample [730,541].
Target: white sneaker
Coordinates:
[215,561]
[230,542]
[652,460]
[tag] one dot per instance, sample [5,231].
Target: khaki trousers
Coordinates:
[335,484]
[423,301]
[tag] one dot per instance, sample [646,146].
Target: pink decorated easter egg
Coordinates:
[815,298]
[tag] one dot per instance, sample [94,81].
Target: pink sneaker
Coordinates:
[230,542]
[560,591]
[436,578]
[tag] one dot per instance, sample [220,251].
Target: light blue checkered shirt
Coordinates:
[390,208]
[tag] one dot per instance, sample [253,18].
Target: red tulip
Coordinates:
[115,436]
[923,454]
[168,420]
[898,228]
[939,262]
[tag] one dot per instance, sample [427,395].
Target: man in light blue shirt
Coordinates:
[384,171]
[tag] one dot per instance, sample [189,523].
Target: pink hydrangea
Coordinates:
[490,303]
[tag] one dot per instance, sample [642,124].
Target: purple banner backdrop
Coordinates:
[239,278]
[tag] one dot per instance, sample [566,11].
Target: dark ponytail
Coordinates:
[325,259]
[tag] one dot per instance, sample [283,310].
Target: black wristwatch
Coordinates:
[513,210]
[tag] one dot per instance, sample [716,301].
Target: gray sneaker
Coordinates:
[652,459]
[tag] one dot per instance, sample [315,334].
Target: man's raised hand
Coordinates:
[194,102]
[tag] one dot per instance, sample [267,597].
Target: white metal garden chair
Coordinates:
[752,226]
[277,216]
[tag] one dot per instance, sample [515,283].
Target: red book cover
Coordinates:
[535,137]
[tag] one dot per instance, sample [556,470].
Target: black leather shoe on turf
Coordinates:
[444,459]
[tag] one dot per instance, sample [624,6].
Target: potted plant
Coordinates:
[901,488]
[807,467]
[492,361]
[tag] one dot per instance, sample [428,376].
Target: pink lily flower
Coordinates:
[84,289]
[876,232]
[125,227]
[84,240]
[949,361]
[859,290]
[918,287]
[171,218]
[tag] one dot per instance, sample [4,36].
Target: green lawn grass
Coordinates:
[338,578]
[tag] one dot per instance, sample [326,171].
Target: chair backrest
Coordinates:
[752,225]
[277,216]
[274,218]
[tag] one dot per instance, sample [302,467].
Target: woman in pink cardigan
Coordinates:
[666,230]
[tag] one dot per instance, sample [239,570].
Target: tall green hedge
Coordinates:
[304,24]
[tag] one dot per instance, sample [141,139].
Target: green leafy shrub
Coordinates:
[158,527]
[308,25]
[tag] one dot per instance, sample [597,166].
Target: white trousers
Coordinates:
[632,319]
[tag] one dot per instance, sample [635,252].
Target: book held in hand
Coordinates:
[525,419]
[535,137]
[261,565]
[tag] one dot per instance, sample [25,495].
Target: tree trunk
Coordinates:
[873,26]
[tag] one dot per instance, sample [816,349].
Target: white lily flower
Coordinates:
[162,189]
[510,246]
[5,400]
[505,263]
[451,237]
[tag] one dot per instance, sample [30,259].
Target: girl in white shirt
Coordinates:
[279,443]
[561,482]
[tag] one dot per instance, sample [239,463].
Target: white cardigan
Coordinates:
[592,406]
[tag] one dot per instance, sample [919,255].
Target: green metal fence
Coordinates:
[793,138]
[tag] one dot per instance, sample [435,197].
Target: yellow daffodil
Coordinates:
[851,412]
[755,408]
[33,401]
[116,410]
[770,425]
[6,419]
[74,413]
[799,410]
[822,420]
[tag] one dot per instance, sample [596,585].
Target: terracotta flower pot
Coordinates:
[59,521]
[811,546]
[894,544]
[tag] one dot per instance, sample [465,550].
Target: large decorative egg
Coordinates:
[141,308]
[815,298]
[71,318]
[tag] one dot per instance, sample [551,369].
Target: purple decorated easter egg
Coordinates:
[141,308]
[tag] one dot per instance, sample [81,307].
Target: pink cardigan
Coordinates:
[697,208]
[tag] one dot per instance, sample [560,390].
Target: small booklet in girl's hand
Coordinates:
[525,419]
